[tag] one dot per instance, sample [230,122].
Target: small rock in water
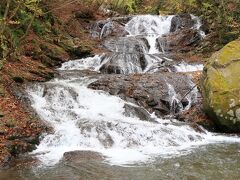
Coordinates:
[82,156]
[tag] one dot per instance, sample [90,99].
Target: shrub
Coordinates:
[38,27]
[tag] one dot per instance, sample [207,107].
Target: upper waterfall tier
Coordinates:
[146,43]
[149,24]
[151,28]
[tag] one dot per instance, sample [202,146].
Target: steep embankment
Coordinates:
[64,35]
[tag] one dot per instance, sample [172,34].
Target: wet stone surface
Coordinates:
[150,90]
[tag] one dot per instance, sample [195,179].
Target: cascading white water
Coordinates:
[184,67]
[198,25]
[92,63]
[96,62]
[150,27]
[174,98]
[86,119]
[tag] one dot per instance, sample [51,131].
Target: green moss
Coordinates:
[230,52]
[38,27]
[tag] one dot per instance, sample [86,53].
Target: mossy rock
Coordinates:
[18,79]
[66,44]
[84,15]
[75,49]
[221,87]
[81,51]
[54,52]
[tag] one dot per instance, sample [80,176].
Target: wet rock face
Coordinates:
[119,64]
[127,55]
[183,21]
[135,111]
[183,36]
[160,93]
[133,45]
[181,41]
[110,27]
[221,87]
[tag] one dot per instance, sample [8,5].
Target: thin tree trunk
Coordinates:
[2,30]
[21,40]
[3,23]
[15,10]
[6,10]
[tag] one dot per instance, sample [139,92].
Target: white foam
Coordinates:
[92,63]
[151,27]
[184,67]
[149,24]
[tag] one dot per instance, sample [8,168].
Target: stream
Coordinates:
[99,135]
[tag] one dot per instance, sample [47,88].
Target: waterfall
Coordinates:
[176,106]
[151,27]
[86,119]
[141,47]
[198,25]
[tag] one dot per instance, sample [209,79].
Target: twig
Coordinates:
[60,7]
[188,92]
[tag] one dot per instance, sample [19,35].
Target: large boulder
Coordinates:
[221,87]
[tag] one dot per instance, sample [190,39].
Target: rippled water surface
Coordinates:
[217,161]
